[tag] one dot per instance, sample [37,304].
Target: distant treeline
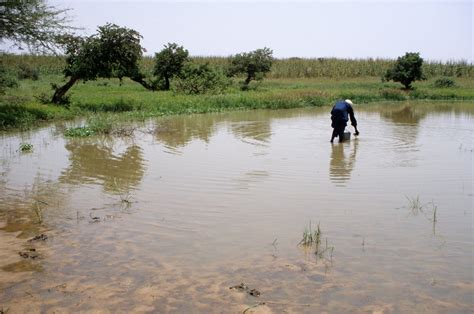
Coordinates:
[281,68]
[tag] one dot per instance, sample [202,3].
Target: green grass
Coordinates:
[23,107]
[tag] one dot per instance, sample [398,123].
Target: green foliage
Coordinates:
[32,23]
[26,147]
[27,72]
[168,63]
[82,131]
[200,79]
[406,70]
[120,105]
[43,98]
[113,52]
[98,124]
[7,78]
[444,82]
[20,116]
[253,64]
[102,124]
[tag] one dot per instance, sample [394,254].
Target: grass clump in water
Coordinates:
[310,237]
[414,204]
[313,239]
[26,147]
[82,131]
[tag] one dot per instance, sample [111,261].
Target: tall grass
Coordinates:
[282,68]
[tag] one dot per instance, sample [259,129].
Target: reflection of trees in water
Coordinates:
[405,132]
[340,166]
[258,130]
[255,125]
[92,162]
[405,115]
[179,131]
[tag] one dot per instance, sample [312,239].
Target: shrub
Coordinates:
[444,82]
[168,63]
[27,72]
[43,98]
[253,64]
[12,116]
[406,70]
[200,79]
[7,78]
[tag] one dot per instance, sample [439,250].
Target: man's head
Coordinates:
[349,102]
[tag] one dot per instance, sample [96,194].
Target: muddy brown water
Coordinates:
[171,218]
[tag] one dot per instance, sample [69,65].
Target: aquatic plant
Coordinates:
[429,210]
[444,82]
[26,147]
[310,237]
[82,131]
[414,204]
[313,239]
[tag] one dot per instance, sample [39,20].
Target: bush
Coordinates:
[27,72]
[200,79]
[444,82]
[12,116]
[406,70]
[168,64]
[43,98]
[253,64]
[7,78]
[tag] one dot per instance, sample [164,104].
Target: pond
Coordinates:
[205,213]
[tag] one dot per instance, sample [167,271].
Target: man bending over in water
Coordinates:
[340,114]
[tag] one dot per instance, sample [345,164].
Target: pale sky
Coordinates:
[439,30]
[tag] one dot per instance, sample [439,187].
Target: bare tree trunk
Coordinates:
[61,91]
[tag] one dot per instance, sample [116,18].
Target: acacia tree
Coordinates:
[33,23]
[113,52]
[406,70]
[253,64]
[169,62]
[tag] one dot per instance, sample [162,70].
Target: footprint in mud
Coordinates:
[41,237]
[29,253]
[244,288]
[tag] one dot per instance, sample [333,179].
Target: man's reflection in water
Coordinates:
[342,162]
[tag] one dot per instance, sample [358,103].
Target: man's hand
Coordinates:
[356,131]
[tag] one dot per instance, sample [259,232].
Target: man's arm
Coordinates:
[353,119]
[350,111]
